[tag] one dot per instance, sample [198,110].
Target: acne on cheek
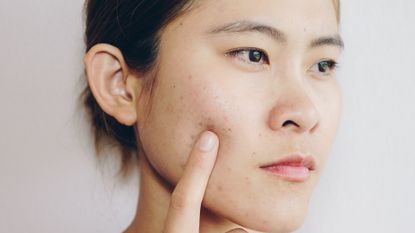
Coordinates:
[222,132]
[201,105]
[217,122]
[205,124]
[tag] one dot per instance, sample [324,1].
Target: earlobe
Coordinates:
[107,75]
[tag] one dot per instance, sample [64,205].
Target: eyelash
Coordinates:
[330,64]
[239,51]
[320,67]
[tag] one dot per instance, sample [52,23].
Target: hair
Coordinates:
[134,27]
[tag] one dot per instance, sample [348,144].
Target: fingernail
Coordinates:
[207,142]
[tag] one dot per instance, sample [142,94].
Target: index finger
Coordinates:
[184,211]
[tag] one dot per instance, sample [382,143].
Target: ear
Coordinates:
[115,89]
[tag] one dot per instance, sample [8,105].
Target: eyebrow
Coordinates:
[244,26]
[335,40]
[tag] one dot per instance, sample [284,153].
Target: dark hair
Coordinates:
[134,27]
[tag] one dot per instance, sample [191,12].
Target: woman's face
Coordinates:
[276,97]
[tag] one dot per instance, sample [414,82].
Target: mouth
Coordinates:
[293,168]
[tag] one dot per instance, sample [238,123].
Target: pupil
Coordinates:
[322,66]
[255,56]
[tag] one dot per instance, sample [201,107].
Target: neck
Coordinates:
[153,205]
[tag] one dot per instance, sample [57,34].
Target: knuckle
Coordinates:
[199,162]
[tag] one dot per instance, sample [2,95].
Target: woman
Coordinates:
[230,105]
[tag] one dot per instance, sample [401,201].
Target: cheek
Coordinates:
[331,114]
[330,108]
[182,108]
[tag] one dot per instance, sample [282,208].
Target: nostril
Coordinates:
[290,122]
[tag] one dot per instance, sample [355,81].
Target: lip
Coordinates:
[294,168]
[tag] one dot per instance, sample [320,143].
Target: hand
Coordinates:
[186,200]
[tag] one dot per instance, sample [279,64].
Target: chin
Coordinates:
[282,222]
[282,218]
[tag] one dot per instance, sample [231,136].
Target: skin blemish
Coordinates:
[210,127]
[229,129]
[169,108]
[210,123]
[190,77]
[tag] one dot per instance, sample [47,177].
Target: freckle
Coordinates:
[229,169]
[259,135]
[220,188]
[204,88]
[174,86]
[190,77]
[193,137]
[265,222]
[181,97]
[210,127]
[229,129]
[216,97]
[200,124]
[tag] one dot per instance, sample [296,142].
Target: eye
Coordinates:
[250,55]
[325,67]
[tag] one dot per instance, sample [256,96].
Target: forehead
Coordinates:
[308,17]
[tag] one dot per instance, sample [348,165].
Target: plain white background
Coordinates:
[50,180]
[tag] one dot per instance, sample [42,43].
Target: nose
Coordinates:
[294,111]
